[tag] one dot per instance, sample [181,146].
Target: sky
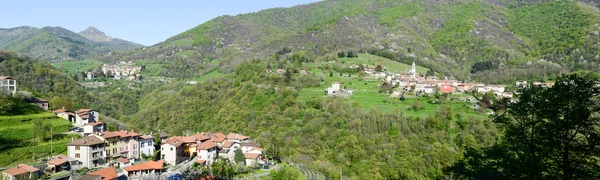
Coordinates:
[146,22]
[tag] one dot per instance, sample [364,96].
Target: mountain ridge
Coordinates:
[57,44]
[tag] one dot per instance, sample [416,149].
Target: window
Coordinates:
[114,150]
[171,149]
[121,149]
[150,143]
[162,148]
[76,147]
[114,143]
[142,145]
[163,157]
[77,155]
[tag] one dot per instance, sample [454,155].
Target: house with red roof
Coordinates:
[172,150]
[89,151]
[237,137]
[446,88]
[207,151]
[94,127]
[108,173]
[150,167]
[253,159]
[22,171]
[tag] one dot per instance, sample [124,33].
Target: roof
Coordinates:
[218,137]
[87,141]
[15,171]
[94,123]
[65,157]
[27,167]
[174,141]
[147,137]
[106,173]
[37,100]
[61,110]
[120,133]
[163,134]
[90,177]
[201,161]
[188,139]
[123,160]
[207,145]
[7,77]
[146,166]
[228,144]
[235,136]
[200,137]
[251,155]
[57,161]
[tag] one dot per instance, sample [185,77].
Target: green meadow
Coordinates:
[71,67]
[16,138]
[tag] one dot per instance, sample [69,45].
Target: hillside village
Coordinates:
[126,154]
[405,83]
[118,71]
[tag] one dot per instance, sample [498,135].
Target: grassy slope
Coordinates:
[366,92]
[213,74]
[15,135]
[70,67]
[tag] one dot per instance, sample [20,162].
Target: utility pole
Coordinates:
[341,174]
[51,137]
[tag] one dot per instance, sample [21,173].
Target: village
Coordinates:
[118,71]
[126,154]
[411,83]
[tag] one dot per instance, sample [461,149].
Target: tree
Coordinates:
[485,101]
[58,102]
[341,54]
[551,133]
[378,68]
[239,156]
[429,73]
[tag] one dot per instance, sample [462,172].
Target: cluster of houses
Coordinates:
[410,81]
[121,70]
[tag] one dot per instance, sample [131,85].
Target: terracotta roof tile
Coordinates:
[7,77]
[87,141]
[188,139]
[57,161]
[27,167]
[251,155]
[227,144]
[15,171]
[146,137]
[206,145]
[200,137]
[123,160]
[150,165]
[235,136]
[106,173]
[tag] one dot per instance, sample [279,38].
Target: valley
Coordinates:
[335,89]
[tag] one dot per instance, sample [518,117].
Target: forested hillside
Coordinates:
[57,44]
[522,39]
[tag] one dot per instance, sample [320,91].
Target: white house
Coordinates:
[94,127]
[334,89]
[86,116]
[253,159]
[8,84]
[172,150]
[237,137]
[89,151]
[207,151]
[146,145]
[247,146]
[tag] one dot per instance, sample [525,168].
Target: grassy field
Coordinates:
[366,90]
[70,67]
[213,74]
[390,65]
[16,138]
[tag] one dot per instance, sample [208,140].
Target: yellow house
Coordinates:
[111,147]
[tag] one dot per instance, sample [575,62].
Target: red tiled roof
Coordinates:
[27,167]
[146,137]
[120,133]
[87,141]
[200,137]
[251,155]
[188,139]
[201,161]
[227,144]
[150,165]
[218,137]
[15,171]
[206,145]
[57,161]
[174,141]
[106,173]
[235,136]
[123,160]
